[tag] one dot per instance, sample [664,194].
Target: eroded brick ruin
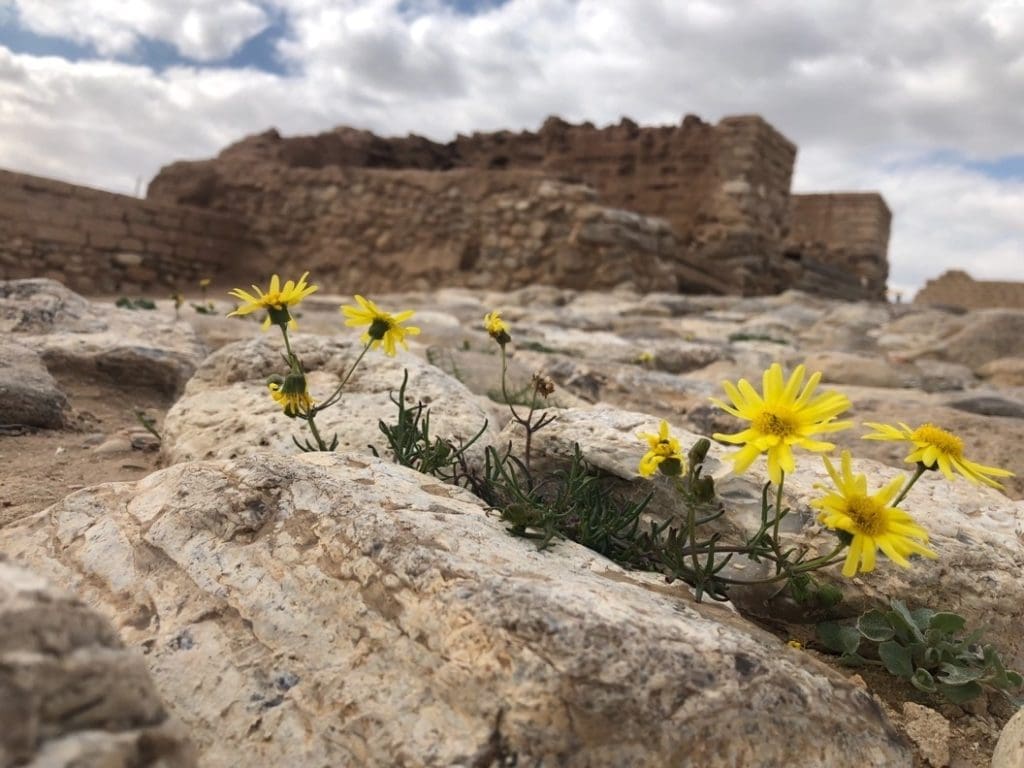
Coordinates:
[692,207]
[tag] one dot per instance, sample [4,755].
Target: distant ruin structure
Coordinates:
[955,288]
[693,207]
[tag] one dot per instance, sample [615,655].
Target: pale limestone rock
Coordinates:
[987,335]
[71,694]
[1004,371]
[227,411]
[72,335]
[1009,751]
[842,368]
[28,393]
[977,532]
[929,731]
[331,609]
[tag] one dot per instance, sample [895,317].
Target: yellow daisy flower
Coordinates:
[276,300]
[497,328]
[869,520]
[293,403]
[384,329]
[663,448]
[781,419]
[935,447]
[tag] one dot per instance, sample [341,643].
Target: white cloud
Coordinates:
[204,30]
[869,91]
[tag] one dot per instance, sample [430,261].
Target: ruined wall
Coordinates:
[722,188]
[363,230]
[99,242]
[956,288]
[837,234]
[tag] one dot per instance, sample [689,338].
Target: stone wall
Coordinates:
[99,242]
[956,288]
[839,234]
[722,189]
[368,230]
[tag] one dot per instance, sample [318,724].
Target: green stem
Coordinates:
[310,420]
[921,469]
[778,513]
[292,360]
[336,394]
[504,386]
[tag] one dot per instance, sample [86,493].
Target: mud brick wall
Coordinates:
[847,231]
[956,288]
[100,242]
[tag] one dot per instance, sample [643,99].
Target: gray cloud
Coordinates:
[871,92]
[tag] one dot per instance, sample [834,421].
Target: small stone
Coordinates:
[114,445]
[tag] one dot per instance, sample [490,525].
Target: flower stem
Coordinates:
[778,518]
[311,421]
[336,394]
[921,469]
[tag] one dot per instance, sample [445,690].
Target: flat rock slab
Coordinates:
[75,336]
[227,411]
[334,609]
[71,694]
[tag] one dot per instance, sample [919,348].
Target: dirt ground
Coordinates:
[106,442]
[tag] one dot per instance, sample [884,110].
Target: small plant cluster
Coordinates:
[581,504]
[206,308]
[925,647]
[290,389]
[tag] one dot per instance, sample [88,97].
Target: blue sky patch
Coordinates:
[258,52]
[1007,167]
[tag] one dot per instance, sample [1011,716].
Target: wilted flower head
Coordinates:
[936,448]
[542,385]
[785,416]
[275,301]
[385,330]
[869,520]
[497,328]
[664,453]
[291,393]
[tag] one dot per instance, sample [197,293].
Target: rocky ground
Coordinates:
[450,643]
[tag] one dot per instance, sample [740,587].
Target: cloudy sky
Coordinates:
[922,100]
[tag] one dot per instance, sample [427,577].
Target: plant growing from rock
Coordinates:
[927,648]
[290,390]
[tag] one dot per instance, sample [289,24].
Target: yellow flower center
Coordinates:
[779,423]
[948,444]
[866,514]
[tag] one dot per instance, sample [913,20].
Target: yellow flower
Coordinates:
[781,419]
[663,448]
[276,300]
[869,520]
[937,447]
[293,403]
[205,282]
[384,329]
[497,328]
